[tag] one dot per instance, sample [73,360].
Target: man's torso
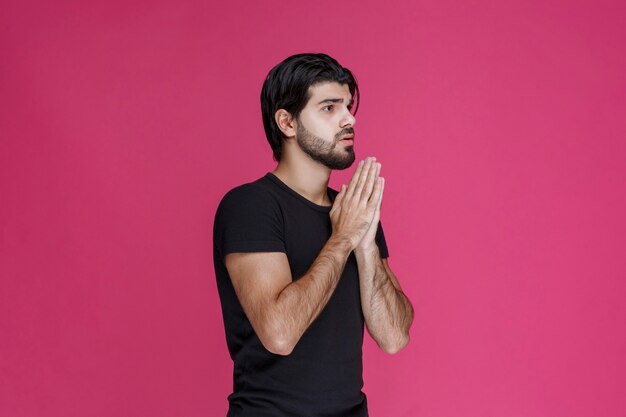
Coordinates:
[323,374]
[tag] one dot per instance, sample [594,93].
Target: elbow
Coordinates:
[278,345]
[395,346]
[276,337]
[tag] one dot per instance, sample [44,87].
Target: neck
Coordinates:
[305,176]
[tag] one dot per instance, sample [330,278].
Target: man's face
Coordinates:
[325,126]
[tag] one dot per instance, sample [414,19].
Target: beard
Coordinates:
[322,151]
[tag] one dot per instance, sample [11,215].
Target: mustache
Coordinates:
[343,132]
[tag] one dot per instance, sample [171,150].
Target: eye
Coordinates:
[328,108]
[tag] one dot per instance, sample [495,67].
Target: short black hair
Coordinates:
[287,87]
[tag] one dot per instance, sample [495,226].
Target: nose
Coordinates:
[348,119]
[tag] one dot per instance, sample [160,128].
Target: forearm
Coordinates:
[387,311]
[300,302]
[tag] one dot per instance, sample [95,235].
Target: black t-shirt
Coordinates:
[323,374]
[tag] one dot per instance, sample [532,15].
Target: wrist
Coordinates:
[341,243]
[368,250]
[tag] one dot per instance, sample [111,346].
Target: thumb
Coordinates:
[339,198]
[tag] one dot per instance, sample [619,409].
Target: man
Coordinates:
[300,267]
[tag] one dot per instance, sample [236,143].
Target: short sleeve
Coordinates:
[381,242]
[248,219]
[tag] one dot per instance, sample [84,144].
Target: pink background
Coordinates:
[501,130]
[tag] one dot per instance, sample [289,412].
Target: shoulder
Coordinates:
[248,219]
[255,201]
[251,194]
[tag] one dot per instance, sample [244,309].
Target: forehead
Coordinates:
[328,90]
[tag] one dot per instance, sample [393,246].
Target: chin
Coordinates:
[344,164]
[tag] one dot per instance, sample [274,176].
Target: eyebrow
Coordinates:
[335,100]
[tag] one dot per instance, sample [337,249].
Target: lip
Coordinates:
[347,141]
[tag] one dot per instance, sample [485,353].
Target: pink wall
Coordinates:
[501,128]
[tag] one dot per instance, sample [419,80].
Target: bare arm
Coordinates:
[280,309]
[388,312]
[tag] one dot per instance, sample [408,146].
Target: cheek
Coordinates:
[321,128]
[324,126]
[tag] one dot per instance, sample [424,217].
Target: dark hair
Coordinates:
[287,87]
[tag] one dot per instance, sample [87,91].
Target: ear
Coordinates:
[285,123]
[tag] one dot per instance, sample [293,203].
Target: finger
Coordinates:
[354,179]
[382,192]
[358,190]
[367,163]
[371,181]
[377,194]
